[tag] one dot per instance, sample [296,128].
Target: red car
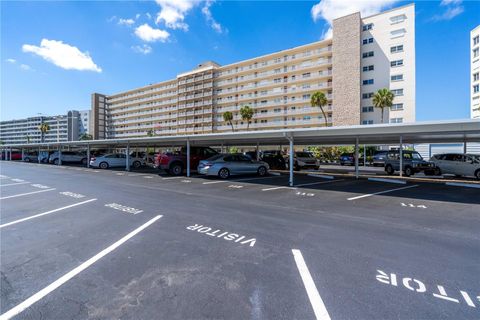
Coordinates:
[176,162]
[15,156]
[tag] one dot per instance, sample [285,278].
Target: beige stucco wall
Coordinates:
[346,70]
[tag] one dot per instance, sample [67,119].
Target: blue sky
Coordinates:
[55,54]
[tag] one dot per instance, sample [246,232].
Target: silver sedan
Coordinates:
[225,165]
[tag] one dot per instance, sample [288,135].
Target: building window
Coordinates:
[475,88]
[397,92]
[306,75]
[368,68]
[306,97]
[396,63]
[397,106]
[367,41]
[396,77]
[396,120]
[367,82]
[367,109]
[475,52]
[368,27]
[475,76]
[397,33]
[396,49]
[367,95]
[397,19]
[367,122]
[367,54]
[476,40]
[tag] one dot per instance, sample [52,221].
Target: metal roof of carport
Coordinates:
[420,132]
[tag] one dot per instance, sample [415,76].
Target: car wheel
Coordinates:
[103,165]
[224,173]
[136,164]
[176,169]
[477,174]
[437,171]
[27,159]
[56,162]
[262,171]
[408,171]
[84,161]
[389,170]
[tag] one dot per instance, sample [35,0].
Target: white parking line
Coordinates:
[148,177]
[320,176]
[315,300]
[467,185]
[13,184]
[381,192]
[45,213]
[314,183]
[276,188]
[212,182]
[68,276]
[26,194]
[170,178]
[388,180]
[253,179]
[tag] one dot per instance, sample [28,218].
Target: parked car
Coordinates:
[112,160]
[68,156]
[274,159]
[15,156]
[175,163]
[225,165]
[378,158]
[30,157]
[349,159]
[147,157]
[303,160]
[458,164]
[412,163]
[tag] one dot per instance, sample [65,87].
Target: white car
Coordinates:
[458,164]
[113,160]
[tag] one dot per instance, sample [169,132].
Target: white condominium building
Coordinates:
[364,55]
[475,73]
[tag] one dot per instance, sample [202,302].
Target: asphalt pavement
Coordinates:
[80,243]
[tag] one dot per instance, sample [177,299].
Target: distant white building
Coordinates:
[475,73]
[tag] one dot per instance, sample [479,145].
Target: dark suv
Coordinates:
[175,163]
[412,163]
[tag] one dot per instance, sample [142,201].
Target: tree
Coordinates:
[247,114]
[44,128]
[86,136]
[382,99]
[150,133]
[228,117]
[28,138]
[319,99]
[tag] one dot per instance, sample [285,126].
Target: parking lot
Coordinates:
[82,243]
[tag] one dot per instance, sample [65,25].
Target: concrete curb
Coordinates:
[388,180]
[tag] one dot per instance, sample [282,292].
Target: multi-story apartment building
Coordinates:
[364,55]
[475,73]
[61,128]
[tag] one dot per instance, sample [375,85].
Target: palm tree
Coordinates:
[44,128]
[151,133]
[228,117]
[86,136]
[247,114]
[383,99]
[28,138]
[319,99]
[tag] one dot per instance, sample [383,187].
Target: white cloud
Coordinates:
[149,34]
[173,12]
[148,15]
[208,16]
[137,16]
[11,60]
[329,10]
[454,8]
[126,22]
[63,55]
[144,49]
[25,67]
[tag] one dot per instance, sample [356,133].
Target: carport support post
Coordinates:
[59,155]
[290,162]
[356,157]
[188,157]
[364,156]
[127,158]
[39,160]
[258,154]
[464,147]
[88,155]
[23,154]
[401,156]
[10,154]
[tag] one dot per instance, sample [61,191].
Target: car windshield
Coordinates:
[304,154]
[416,156]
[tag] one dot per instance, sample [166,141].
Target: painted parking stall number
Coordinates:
[40,186]
[235,186]
[225,235]
[418,286]
[73,195]
[123,208]
[18,180]
[186,181]
[411,205]
[305,194]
